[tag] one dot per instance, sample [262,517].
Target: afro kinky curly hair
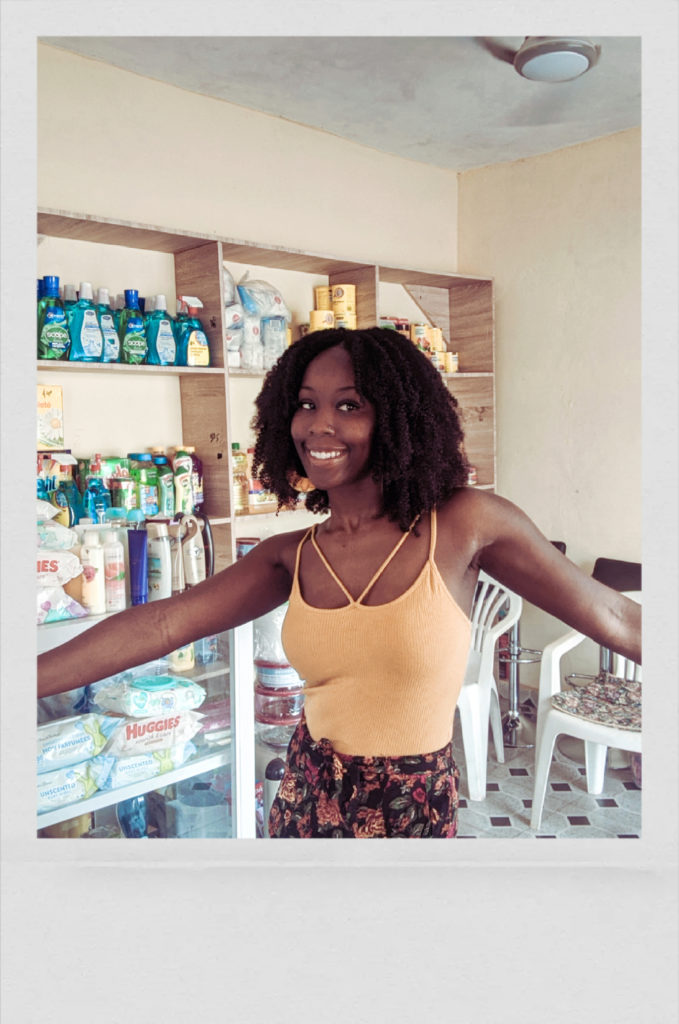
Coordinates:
[417,449]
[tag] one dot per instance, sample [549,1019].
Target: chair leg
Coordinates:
[496,727]
[475,741]
[595,766]
[544,749]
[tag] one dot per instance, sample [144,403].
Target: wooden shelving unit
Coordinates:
[461,305]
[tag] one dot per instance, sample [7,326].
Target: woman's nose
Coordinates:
[322,423]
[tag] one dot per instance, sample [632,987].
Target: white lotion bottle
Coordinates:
[94,587]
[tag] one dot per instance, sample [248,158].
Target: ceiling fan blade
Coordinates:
[496,48]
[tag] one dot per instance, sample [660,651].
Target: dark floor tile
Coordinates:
[518,771]
[578,819]
[630,785]
[462,803]
[527,803]
[545,837]
[628,835]
[493,787]
[583,771]
[500,821]
[560,787]
[606,802]
[466,837]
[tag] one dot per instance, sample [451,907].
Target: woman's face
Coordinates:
[333,427]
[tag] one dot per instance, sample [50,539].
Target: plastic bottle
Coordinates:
[193,552]
[69,297]
[87,342]
[117,307]
[96,499]
[114,573]
[160,335]
[193,348]
[94,587]
[176,531]
[166,497]
[182,467]
[131,331]
[138,553]
[241,486]
[159,561]
[53,338]
[196,479]
[111,351]
[145,476]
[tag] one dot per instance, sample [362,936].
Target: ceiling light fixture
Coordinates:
[555,59]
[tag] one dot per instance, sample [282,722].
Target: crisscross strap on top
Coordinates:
[381,569]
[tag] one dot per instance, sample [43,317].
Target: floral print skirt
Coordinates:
[326,795]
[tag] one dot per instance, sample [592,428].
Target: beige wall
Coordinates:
[561,236]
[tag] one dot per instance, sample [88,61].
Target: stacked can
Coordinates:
[344,305]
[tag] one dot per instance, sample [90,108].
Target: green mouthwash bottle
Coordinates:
[111,353]
[131,331]
[53,337]
[160,335]
[87,343]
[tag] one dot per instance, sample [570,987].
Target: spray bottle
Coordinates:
[192,345]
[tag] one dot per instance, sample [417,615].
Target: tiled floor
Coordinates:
[569,811]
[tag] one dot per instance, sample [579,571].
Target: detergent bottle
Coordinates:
[193,348]
[87,343]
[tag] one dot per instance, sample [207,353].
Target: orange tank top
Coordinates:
[380,679]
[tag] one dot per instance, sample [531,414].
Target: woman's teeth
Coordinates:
[335,454]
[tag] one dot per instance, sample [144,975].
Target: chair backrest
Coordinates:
[625,668]
[491,601]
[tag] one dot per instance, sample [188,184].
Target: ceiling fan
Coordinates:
[547,58]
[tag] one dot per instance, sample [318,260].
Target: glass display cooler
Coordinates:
[125,758]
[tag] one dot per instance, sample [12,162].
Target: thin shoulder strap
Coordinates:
[326,563]
[299,554]
[386,562]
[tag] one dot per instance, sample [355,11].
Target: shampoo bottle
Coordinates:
[94,588]
[114,573]
[111,351]
[159,561]
[166,496]
[131,331]
[53,337]
[160,335]
[87,343]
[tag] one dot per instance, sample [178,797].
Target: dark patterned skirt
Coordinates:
[326,795]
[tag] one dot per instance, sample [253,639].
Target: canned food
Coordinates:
[344,298]
[321,319]
[346,320]
[452,362]
[323,296]
[419,333]
[436,338]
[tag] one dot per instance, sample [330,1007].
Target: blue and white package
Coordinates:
[66,786]
[146,696]
[68,741]
[113,772]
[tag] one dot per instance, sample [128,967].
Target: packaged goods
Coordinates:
[160,337]
[159,561]
[69,741]
[150,695]
[234,316]
[321,320]
[54,605]
[50,402]
[343,298]
[66,786]
[57,567]
[261,299]
[113,772]
[87,341]
[182,467]
[241,484]
[132,330]
[323,297]
[94,583]
[45,510]
[252,350]
[53,338]
[234,340]
[111,351]
[166,495]
[138,554]
[55,536]
[229,287]
[183,659]
[145,475]
[193,348]
[114,573]
[274,339]
[135,736]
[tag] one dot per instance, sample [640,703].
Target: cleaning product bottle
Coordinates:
[53,337]
[241,484]
[131,331]
[87,342]
[159,561]
[111,352]
[160,335]
[182,468]
[192,348]
[166,498]
[145,475]
[114,572]
[97,497]
[94,587]
[196,479]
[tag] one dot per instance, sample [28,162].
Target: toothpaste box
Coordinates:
[50,417]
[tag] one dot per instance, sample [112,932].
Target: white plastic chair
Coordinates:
[551,722]
[479,702]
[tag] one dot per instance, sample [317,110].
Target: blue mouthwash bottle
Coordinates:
[160,335]
[111,353]
[87,343]
[69,297]
[53,337]
[131,330]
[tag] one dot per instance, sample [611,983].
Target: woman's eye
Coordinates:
[348,406]
[305,403]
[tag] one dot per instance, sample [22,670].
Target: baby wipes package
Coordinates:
[54,605]
[55,536]
[146,696]
[69,741]
[112,772]
[143,735]
[55,568]
[66,786]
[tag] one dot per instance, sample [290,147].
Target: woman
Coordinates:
[379,592]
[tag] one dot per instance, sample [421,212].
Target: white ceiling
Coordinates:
[454,102]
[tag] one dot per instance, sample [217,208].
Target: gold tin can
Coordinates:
[321,319]
[344,298]
[346,320]
[323,296]
[452,362]
[419,333]
[436,339]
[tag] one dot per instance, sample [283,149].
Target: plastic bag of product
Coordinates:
[66,786]
[46,510]
[229,286]
[266,636]
[69,741]
[252,350]
[147,696]
[112,772]
[261,299]
[55,536]
[54,605]
[144,735]
[55,568]
[63,705]
[234,315]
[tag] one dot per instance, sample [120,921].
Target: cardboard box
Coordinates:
[50,417]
